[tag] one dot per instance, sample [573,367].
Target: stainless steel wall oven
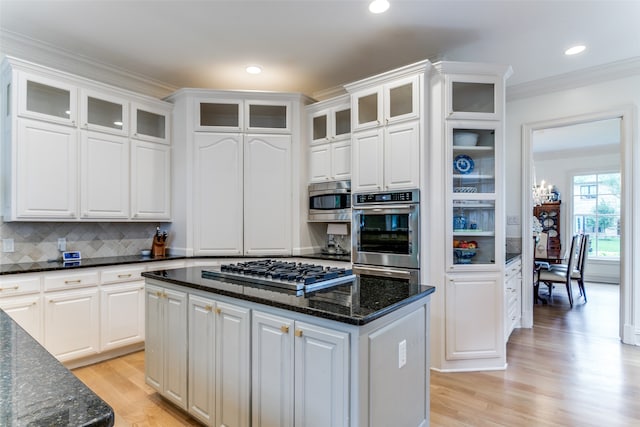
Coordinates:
[386,229]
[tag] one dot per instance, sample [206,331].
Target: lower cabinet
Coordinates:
[122,315]
[71,321]
[27,312]
[512,297]
[299,373]
[166,343]
[219,366]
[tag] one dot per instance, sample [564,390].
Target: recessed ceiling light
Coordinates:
[254,69]
[378,6]
[575,50]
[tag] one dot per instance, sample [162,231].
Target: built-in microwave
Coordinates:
[330,201]
[386,229]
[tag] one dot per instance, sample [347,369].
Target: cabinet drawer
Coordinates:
[70,280]
[122,274]
[18,285]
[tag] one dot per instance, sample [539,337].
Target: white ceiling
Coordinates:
[312,45]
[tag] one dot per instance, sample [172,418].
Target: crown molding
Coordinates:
[36,51]
[587,76]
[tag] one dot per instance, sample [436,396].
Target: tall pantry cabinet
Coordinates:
[236,151]
[466,178]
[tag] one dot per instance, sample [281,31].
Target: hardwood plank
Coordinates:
[570,369]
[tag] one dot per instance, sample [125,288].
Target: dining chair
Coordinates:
[581,261]
[558,275]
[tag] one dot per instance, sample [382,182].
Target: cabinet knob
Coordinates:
[284,329]
[218,310]
[298,332]
[208,307]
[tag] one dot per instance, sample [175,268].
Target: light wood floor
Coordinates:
[569,370]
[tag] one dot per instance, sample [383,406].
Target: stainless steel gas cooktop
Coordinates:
[282,274]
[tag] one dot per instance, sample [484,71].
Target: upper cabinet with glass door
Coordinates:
[238,115]
[268,116]
[386,104]
[330,121]
[150,123]
[47,99]
[104,113]
[473,97]
[219,115]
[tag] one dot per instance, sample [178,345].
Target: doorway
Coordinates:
[533,134]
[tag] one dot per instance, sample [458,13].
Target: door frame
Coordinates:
[630,227]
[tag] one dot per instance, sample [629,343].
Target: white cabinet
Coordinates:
[387,159]
[267,195]
[109,159]
[121,315]
[219,369]
[329,139]
[388,126]
[150,181]
[474,307]
[20,298]
[166,343]
[512,297]
[473,94]
[218,193]
[45,175]
[71,323]
[104,172]
[299,373]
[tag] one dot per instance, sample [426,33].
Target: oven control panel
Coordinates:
[408,196]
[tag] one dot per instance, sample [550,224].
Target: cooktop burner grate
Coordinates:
[283,274]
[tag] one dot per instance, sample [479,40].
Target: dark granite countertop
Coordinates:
[36,267]
[37,390]
[357,303]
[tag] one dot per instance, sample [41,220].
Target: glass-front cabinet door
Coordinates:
[104,113]
[150,124]
[332,124]
[401,100]
[219,115]
[473,186]
[268,116]
[473,97]
[46,99]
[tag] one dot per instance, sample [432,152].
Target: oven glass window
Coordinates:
[385,233]
[330,201]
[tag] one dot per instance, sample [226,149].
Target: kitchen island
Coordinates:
[234,353]
[36,390]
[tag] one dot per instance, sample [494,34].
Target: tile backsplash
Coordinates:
[38,241]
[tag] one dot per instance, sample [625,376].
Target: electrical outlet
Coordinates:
[402,353]
[512,220]
[7,245]
[62,244]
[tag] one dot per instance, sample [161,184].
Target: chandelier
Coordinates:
[542,193]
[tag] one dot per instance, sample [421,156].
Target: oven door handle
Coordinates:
[387,272]
[386,207]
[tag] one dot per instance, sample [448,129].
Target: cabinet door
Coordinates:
[121,315]
[27,312]
[104,113]
[219,115]
[202,359]
[341,160]
[401,100]
[267,116]
[320,126]
[368,158]
[47,171]
[267,195]
[218,193]
[321,376]
[272,371]
[474,97]
[368,109]
[320,163]
[47,99]
[474,317]
[402,156]
[154,343]
[150,123]
[150,181]
[233,366]
[72,323]
[175,347]
[104,171]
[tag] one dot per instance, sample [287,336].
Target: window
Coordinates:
[596,211]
